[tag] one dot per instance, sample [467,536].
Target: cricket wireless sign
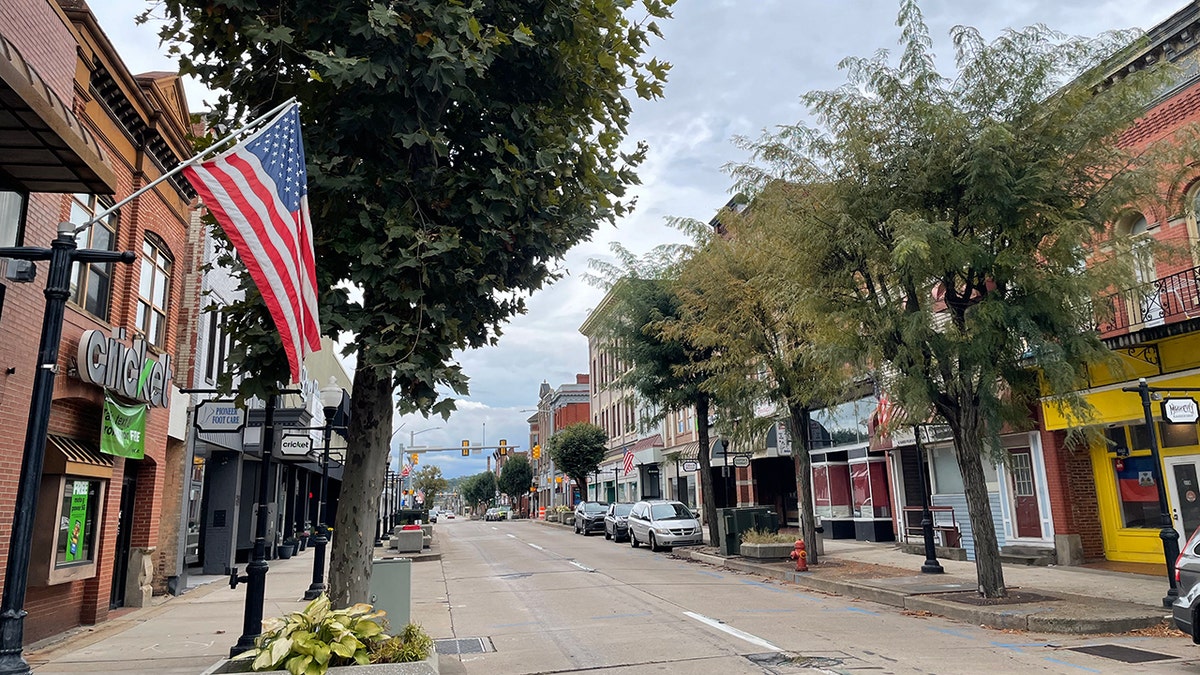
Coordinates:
[124,370]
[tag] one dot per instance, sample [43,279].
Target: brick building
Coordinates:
[79,133]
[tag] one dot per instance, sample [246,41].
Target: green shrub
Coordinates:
[313,640]
[765,537]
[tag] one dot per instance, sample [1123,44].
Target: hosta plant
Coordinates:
[311,641]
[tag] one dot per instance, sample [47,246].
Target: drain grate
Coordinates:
[1121,653]
[472,645]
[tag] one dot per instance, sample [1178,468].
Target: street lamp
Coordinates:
[331,398]
[931,564]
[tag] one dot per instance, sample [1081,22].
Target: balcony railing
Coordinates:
[1170,299]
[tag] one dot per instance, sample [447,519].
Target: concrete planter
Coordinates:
[766,551]
[408,541]
[427,667]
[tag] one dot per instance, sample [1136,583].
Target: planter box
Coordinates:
[427,667]
[408,541]
[766,551]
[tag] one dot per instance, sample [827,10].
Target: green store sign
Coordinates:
[123,431]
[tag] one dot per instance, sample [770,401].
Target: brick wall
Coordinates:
[1071,483]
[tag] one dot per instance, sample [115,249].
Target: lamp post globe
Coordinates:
[331,398]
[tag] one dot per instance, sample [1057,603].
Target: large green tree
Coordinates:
[645,326]
[479,489]
[456,151]
[430,481]
[577,451]
[956,227]
[516,476]
[762,341]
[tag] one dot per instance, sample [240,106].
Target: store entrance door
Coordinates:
[1025,502]
[124,535]
[1183,479]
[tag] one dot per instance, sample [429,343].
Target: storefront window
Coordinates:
[1137,492]
[844,424]
[868,483]
[831,490]
[77,526]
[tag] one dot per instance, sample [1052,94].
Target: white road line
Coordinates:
[582,567]
[494,527]
[754,640]
[512,535]
[536,546]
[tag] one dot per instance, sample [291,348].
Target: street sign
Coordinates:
[219,416]
[295,445]
[691,465]
[1180,411]
[741,460]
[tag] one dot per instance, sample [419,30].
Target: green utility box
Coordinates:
[733,522]
[391,590]
[411,516]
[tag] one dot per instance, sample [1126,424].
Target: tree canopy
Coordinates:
[577,451]
[455,152]
[430,481]
[478,488]
[954,229]
[516,477]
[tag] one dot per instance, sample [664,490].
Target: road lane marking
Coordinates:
[536,546]
[585,568]
[752,639]
[511,535]
[494,527]
[710,574]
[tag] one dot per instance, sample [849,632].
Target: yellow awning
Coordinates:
[1111,405]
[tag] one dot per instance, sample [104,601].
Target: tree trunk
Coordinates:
[968,430]
[582,481]
[705,457]
[799,430]
[366,462]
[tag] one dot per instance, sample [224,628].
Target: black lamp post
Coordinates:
[1170,538]
[931,564]
[331,398]
[61,254]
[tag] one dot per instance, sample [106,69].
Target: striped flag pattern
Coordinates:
[258,193]
[628,461]
[405,471]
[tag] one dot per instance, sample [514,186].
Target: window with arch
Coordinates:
[1146,305]
[91,283]
[154,290]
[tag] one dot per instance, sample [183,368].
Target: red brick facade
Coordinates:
[73,56]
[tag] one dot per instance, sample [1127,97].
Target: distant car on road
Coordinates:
[433,515]
[589,517]
[491,514]
[662,524]
[616,525]
[1186,609]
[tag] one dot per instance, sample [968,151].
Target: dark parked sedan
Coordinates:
[616,521]
[589,517]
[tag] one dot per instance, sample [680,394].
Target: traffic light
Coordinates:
[503,447]
[537,452]
[414,459]
[466,451]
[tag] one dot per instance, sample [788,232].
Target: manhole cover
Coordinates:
[473,645]
[772,660]
[1122,654]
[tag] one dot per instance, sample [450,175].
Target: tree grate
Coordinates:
[472,645]
[1121,653]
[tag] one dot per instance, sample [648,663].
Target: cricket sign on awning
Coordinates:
[123,430]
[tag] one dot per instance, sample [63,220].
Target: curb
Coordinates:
[1037,617]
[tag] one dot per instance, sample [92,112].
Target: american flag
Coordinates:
[405,471]
[421,496]
[883,414]
[628,461]
[258,193]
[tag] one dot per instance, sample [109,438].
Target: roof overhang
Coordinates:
[46,148]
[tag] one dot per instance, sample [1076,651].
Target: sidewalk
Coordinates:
[1056,599]
[183,635]
[1043,599]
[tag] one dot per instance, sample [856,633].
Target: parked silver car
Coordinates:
[1186,609]
[662,524]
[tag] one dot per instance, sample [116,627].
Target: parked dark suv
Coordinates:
[616,521]
[589,517]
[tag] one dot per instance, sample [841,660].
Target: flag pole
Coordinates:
[204,153]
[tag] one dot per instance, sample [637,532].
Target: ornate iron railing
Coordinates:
[1167,300]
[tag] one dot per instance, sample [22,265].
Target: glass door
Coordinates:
[1183,483]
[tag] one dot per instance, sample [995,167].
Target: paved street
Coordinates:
[549,601]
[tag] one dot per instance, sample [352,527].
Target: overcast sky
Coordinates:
[739,67]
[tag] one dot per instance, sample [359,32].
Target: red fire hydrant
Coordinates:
[800,556]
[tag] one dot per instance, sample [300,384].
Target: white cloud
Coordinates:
[739,66]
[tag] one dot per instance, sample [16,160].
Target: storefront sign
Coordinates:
[741,461]
[104,361]
[220,416]
[783,442]
[295,445]
[77,521]
[123,429]
[1180,411]
[691,466]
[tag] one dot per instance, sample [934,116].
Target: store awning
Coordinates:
[44,146]
[68,456]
